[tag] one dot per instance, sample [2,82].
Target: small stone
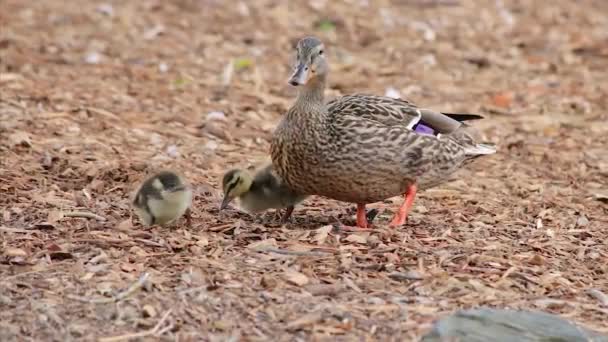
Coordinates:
[582,221]
[106,9]
[216,116]
[92,58]
[172,151]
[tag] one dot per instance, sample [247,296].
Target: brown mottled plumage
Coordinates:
[363,148]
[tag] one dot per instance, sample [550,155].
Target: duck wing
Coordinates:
[398,112]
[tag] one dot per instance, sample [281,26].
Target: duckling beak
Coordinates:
[225,202]
[300,76]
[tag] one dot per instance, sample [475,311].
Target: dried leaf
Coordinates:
[54,216]
[263,245]
[14,252]
[125,225]
[356,238]
[322,233]
[502,100]
[409,275]
[148,311]
[324,289]
[304,321]
[202,241]
[296,278]
[127,267]
[602,197]
[19,138]
[537,260]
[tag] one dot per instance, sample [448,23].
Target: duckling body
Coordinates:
[260,192]
[162,198]
[364,148]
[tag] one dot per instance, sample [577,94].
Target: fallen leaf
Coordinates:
[409,275]
[87,276]
[268,282]
[536,260]
[54,216]
[242,63]
[125,225]
[321,234]
[154,32]
[326,25]
[61,255]
[304,321]
[602,197]
[296,277]
[263,244]
[138,251]
[127,267]
[148,311]
[503,100]
[53,247]
[20,138]
[14,252]
[324,289]
[223,325]
[599,295]
[356,238]
[202,241]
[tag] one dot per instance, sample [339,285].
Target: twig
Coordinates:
[298,253]
[122,295]
[107,242]
[150,243]
[84,214]
[154,331]
[599,295]
[14,230]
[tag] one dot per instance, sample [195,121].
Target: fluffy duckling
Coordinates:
[163,198]
[259,192]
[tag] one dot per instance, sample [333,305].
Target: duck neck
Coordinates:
[312,95]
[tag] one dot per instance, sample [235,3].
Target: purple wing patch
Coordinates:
[424,129]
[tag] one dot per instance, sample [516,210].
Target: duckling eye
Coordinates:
[320,52]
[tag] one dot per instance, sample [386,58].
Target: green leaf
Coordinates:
[326,25]
[180,82]
[242,63]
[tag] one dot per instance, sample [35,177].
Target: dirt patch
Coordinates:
[96,96]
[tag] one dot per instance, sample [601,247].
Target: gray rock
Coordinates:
[485,324]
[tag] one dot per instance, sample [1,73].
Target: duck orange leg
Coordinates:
[361,216]
[401,215]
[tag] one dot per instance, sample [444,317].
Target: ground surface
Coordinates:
[96,95]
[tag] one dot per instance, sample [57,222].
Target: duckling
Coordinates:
[163,198]
[364,148]
[259,192]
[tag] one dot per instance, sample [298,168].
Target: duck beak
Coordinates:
[300,76]
[225,202]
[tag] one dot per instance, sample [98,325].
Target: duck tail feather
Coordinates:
[481,149]
[463,117]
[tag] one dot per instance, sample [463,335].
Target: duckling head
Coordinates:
[235,184]
[310,63]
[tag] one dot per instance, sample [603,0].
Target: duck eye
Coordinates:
[320,52]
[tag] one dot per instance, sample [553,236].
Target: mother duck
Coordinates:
[364,148]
